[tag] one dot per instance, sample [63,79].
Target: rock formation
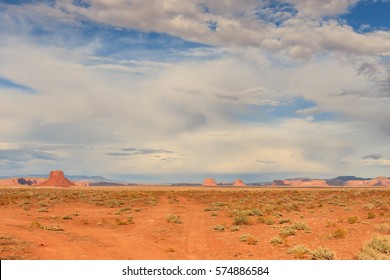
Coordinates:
[239,183]
[21,181]
[300,183]
[209,182]
[57,179]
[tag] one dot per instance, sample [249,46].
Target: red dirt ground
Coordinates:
[94,222]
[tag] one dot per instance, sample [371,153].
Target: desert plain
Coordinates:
[206,223]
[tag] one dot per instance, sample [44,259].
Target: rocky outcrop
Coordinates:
[239,183]
[209,182]
[300,183]
[57,179]
[378,181]
[21,181]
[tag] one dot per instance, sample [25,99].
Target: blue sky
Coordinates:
[181,90]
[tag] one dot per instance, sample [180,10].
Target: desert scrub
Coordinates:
[35,224]
[339,233]
[249,239]
[241,218]
[214,214]
[130,220]
[119,222]
[67,217]
[284,221]
[322,254]
[173,219]
[287,231]
[376,249]
[383,228]
[277,240]
[207,209]
[235,228]
[267,221]
[301,226]
[370,215]
[353,220]
[219,227]
[53,228]
[43,209]
[299,251]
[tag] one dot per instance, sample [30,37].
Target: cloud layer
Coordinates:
[192,87]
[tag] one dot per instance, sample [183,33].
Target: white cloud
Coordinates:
[207,107]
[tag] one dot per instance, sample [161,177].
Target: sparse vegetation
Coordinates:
[299,251]
[339,233]
[370,215]
[287,231]
[284,221]
[277,240]
[353,220]
[249,239]
[219,227]
[174,219]
[322,254]
[376,249]
[301,226]
[241,218]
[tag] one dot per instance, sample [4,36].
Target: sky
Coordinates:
[179,90]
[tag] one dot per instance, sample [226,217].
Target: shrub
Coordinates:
[219,228]
[119,222]
[284,221]
[241,219]
[53,228]
[67,217]
[287,231]
[383,228]
[249,239]
[235,228]
[301,226]
[214,214]
[277,240]
[322,254]
[339,233]
[174,219]
[376,249]
[370,215]
[269,222]
[299,251]
[43,209]
[353,220]
[35,224]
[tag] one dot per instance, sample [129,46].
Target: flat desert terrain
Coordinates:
[194,223]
